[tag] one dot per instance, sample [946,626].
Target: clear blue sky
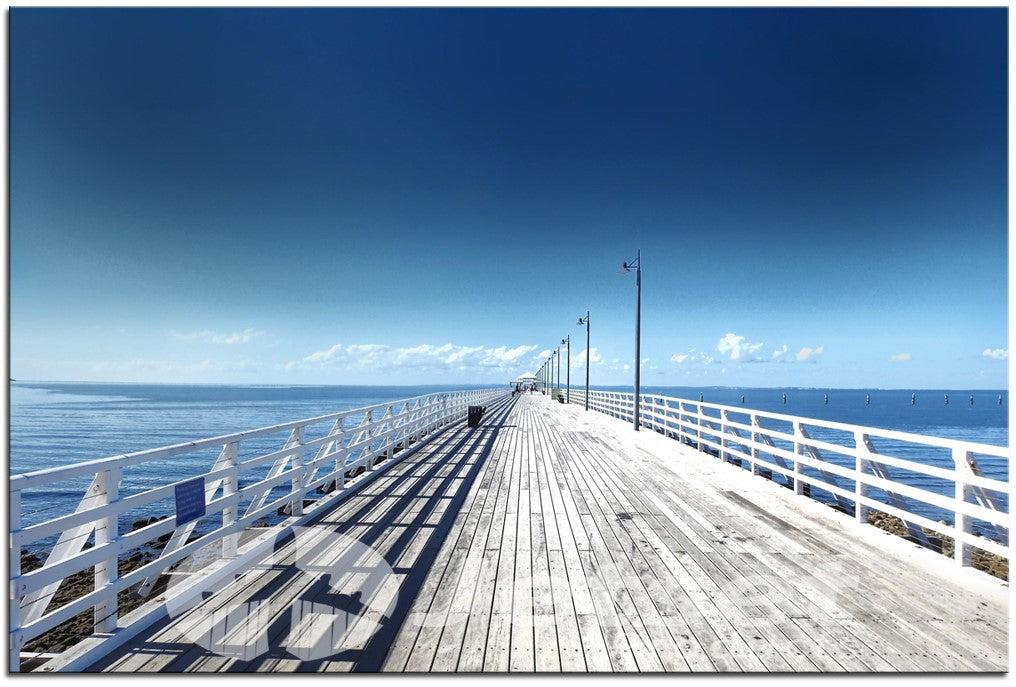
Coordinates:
[395,196]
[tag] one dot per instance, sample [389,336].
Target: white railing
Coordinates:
[843,461]
[322,468]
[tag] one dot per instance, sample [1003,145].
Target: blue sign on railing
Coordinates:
[190,500]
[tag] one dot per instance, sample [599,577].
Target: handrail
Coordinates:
[772,452]
[384,430]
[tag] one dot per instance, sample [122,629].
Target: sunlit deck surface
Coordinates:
[555,539]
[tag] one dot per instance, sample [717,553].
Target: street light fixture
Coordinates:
[585,321]
[567,340]
[625,269]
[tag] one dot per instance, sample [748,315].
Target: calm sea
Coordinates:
[55,424]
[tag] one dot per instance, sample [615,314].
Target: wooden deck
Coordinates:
[554,539]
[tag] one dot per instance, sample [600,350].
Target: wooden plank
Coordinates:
[487,545]
[638,578]
[425,646]
[841,569]
[616,548]
[563,541]
[523,650]
[801,646]
[657,487]
[581,643]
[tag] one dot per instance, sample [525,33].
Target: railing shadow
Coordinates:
[371,657]
[455,448]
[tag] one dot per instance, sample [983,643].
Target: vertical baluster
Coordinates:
[698,427]
[106,532]
[756,437]
[230,488]
[340,454]
[724,418]
[723,455]
[798,451]
[296,497]
[962,551]
[862,466]
[16,638]
[384,424]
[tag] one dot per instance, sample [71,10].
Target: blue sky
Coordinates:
[388,196]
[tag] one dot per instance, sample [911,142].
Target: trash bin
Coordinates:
[475,413]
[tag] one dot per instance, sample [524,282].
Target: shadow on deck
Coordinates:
[412,505]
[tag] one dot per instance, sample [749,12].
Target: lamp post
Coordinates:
[585,321]
[557,352]
[567,340]
[626,268]
[550,375]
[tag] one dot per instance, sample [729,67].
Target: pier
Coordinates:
[547,538]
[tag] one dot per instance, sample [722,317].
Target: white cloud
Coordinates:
[324,355]
[738,346]
[579,360]
[808,353]
[900,356]
[996,353]
[738,349]
[209,336]
[506,353]
[425,356]
[692,356]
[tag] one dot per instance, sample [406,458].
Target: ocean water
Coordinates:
[54,424]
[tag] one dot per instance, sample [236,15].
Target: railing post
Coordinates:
[106,532]
[698,427]
[962,551]
[296,498]
[862,466]
[340,454]
[16,638]
[230,487]
[798,451]
[723,435]
[756,437]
